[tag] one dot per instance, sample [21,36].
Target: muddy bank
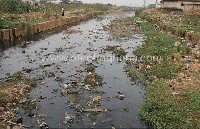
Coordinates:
[82,82]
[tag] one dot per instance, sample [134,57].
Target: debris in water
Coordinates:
[45,65]
[96,99]
[44,125]
[68,118]
[120,96]
[94,110]
[72,31]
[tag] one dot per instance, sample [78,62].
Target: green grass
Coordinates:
[8,24]
[11,19]
[119,52]
[159,47]
[184,29]
[156,44]
[161,108]
[166,70]
[164,110]
[133,73]
[33,83]
[136,75]
[3,95]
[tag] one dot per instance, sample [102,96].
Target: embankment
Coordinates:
[6,34]
[188,34]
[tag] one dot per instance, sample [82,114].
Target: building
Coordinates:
[184,5]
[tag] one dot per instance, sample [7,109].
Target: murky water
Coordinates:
[65,57]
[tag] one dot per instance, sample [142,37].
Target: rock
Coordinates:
[94,110]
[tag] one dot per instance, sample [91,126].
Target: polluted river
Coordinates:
[80,84]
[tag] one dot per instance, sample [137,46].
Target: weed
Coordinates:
[111,48]
[3,95]
[164,110]
[90,68]
[166,70]
[119,52]
[94,80]
[15,6]
[167,106]
[33,83]
[133,73]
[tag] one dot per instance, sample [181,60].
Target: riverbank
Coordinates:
[41,27]
[46,17]
[181,24]
[14,91]
[169,66]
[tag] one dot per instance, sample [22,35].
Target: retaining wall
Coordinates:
[40,27]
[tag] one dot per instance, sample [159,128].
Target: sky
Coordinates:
[135,3]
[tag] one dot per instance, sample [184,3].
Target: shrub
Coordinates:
[15,6]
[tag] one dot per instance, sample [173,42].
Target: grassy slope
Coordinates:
[47,12]
[172,99]
[181,21]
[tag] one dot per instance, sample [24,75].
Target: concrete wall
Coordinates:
[40,27]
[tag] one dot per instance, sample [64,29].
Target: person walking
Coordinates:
[63,12]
